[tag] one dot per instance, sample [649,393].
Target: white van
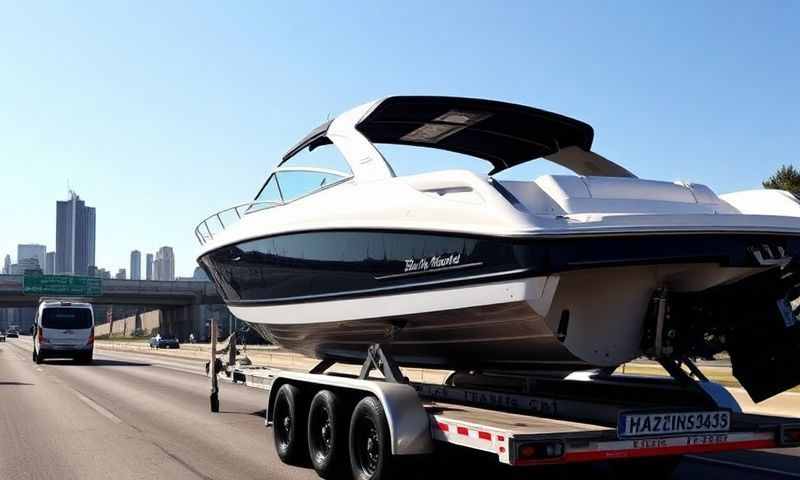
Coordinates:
[63,329]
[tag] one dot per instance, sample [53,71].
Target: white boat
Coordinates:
[460,270]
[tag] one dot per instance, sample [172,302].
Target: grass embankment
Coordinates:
[279,358]
[124,339]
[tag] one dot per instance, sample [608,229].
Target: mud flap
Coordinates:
[765,347]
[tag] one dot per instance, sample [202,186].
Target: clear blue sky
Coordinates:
[158,113]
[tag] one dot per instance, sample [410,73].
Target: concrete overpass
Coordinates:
[152,293]
[179,302]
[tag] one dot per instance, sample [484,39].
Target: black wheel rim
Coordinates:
[321,431]
[368,447]
[283,423]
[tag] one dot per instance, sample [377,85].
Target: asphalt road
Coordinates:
[135,416]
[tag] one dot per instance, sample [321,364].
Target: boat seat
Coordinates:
[615,195]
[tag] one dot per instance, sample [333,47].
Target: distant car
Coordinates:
[12,333]
[2,337]
[63,329]
[164,342]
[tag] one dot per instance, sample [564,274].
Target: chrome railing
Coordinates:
[204,230]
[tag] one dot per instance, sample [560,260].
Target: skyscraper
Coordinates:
[165,264]
[136,265]
[7,265]
[149,266]
[75,236]
[29,264]
[31,250]
[121,274]
[50,263]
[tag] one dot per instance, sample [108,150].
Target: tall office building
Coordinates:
[50,263]
[75,236]
[31,250]
[27,265]
[121,274]
[7,265]
[164,264]
[136,265]
[148,263]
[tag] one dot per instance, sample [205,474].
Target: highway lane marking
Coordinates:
[743,465]
[96,407]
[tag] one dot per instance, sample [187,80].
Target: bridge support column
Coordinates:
[180,321]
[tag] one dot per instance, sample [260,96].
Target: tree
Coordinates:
[786,178]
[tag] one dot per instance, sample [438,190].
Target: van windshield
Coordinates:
[67,318]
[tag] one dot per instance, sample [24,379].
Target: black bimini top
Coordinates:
[505,134]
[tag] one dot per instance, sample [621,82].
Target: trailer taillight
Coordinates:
[790,435]
[539,451]
[40,334]
[91,337]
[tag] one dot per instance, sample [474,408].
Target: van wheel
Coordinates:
[326,434]
[369,440]
[287,425]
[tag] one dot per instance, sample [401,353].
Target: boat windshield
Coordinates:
[303,174]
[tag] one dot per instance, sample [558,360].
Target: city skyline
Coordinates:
[74,253]
[47,259]
[164,256]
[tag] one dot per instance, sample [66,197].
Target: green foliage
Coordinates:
[786,178]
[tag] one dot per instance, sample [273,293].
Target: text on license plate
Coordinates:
[672,423]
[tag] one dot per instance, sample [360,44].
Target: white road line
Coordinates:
[97,408]
[744,465]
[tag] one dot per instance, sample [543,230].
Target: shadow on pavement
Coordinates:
[259,413]
[14,383]
[774,460]
[99,362]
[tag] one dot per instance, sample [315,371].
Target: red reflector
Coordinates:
[485,435]
[443,426]
[527,452]
[792,436]
[462,431]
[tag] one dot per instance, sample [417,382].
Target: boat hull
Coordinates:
[463,302]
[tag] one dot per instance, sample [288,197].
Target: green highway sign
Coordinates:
[66,285]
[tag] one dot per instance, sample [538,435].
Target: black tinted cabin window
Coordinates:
[67,318]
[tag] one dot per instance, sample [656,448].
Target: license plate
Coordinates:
[672,423]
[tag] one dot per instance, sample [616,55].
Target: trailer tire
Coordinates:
[287,416]
[370,444]
[326,434]
[652,468]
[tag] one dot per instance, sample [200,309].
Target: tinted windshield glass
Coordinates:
[294,184]
[67,318]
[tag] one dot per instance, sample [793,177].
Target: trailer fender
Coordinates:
[409,425]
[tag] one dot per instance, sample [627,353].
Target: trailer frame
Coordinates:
[527,428]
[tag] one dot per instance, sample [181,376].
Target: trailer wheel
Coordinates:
[652,468]
[326,434]
[370,451]
[287,425]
